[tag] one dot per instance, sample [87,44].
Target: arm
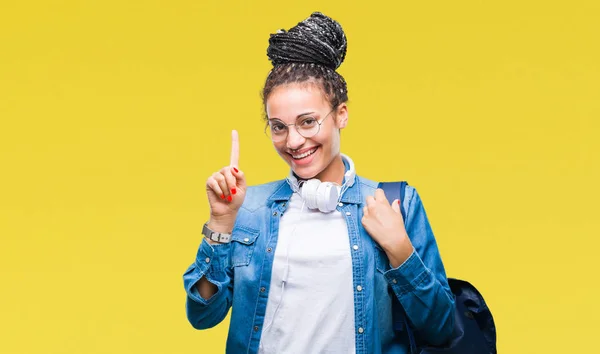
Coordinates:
[209,285]
[208,281]
[204,286]
[420,282]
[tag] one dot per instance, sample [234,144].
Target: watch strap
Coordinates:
[221,237]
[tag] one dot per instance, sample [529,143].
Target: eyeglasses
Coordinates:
[306,125]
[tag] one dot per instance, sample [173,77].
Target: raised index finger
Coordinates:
[235,149]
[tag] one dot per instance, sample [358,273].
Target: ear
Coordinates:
[342,116]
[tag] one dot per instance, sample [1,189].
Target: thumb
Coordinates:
[396,206]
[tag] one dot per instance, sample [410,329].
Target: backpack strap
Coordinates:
[395,190]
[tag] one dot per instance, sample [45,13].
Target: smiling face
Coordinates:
[317,156]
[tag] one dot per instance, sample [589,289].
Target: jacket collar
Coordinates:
[352,195]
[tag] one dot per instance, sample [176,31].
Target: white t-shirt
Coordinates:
[314,310]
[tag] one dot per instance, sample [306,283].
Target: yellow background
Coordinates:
[114,113]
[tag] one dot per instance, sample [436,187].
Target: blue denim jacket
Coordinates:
[241,270]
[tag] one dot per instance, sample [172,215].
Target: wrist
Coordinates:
[221,223]
[398,251]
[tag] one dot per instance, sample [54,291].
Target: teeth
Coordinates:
[305,154]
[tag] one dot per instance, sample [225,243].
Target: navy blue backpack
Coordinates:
[474,329]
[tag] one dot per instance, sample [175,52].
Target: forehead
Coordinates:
[286,102]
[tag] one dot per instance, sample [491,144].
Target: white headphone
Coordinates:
[323,195]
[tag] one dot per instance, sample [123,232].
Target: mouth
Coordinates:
[304,155]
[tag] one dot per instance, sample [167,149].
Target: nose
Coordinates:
[294,139]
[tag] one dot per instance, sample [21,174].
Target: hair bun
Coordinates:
[318,39]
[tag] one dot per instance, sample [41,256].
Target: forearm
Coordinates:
[427,302]
[208,284]
[206,289]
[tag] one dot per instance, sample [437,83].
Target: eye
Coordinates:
[307,122]
[277,127]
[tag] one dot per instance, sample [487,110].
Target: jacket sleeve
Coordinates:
[420,283]
[211,262]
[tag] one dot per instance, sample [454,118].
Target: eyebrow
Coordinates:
[298,116]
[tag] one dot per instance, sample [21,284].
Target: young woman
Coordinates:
[306,262]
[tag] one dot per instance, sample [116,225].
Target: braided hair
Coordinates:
[311,51]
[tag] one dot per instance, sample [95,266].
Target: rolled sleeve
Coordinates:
[211,262]
[407,277]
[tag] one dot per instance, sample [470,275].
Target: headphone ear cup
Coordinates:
[321,195]
[309,193]
[327,196]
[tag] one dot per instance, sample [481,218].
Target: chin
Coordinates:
[308,172]
[306,176]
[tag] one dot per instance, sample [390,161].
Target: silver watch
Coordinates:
[220,237]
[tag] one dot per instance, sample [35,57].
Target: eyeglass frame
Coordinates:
[295,126]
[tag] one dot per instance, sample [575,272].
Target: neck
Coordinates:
[334,172]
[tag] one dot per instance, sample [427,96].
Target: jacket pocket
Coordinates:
[381,261]
[242,246]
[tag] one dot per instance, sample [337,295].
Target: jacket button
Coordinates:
[360,330]
[348,213]
[207,260]
[269,249]
[394,281]
[262,290]
[246,239]
[359,288]
[255,328]
[355,247]
[275,213]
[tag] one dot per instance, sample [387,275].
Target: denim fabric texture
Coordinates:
[241,270]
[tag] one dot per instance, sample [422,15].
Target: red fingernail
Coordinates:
[229,198]
[236,170]
[233,191]
[222,196]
